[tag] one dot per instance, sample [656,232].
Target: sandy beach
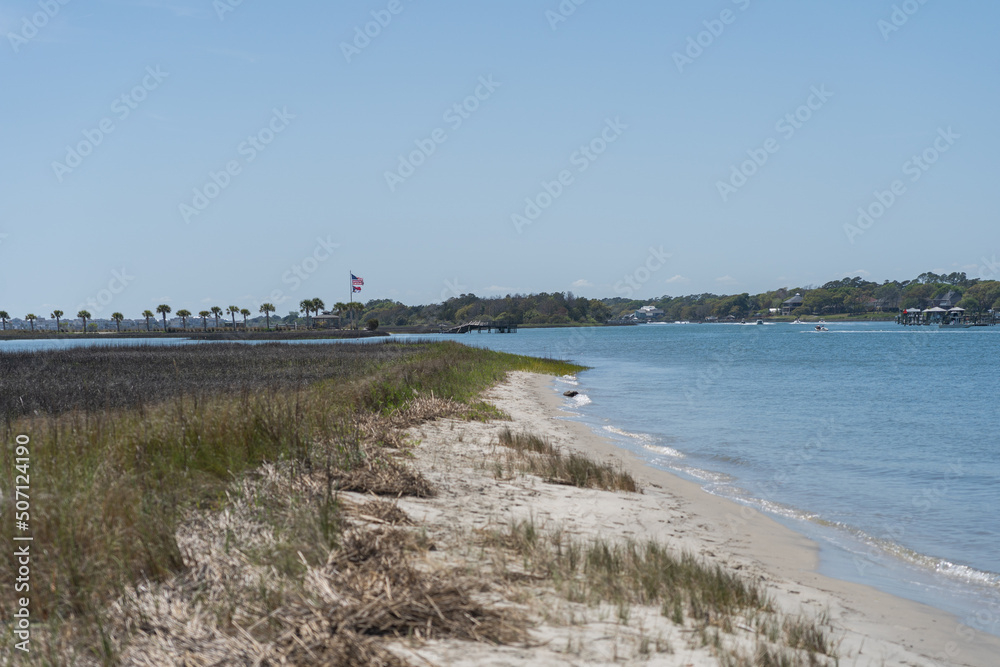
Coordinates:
[459,457]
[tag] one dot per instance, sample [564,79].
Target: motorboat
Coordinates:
[759,322]
[820,327]
[798,321]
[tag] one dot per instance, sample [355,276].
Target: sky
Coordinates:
[218,152]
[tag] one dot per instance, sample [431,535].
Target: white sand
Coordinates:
[871,627]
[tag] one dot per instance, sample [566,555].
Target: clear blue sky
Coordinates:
[338,122]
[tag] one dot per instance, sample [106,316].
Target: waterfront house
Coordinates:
[948,301]
[648,313]
[788,305]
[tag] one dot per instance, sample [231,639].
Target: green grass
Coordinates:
[170,430]
[687,590]
[539,457]
[633,573]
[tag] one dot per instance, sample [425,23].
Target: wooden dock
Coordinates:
[479,326]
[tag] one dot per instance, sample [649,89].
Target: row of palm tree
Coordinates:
[307,306]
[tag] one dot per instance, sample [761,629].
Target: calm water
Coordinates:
[880,442]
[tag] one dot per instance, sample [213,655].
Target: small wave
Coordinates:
[706,475]
[642,437]
[568,379]
[880,545]
[581,400]
[669,451]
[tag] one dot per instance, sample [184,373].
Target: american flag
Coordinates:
[356,283]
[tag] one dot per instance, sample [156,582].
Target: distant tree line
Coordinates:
[852,296]
[847,296]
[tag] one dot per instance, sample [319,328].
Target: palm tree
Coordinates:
[147,314]
[4,316]
[84,315]
[216,311]
[184,315]
[305,306]
[31,317]
[163,309]
[341,307]
[233,310]
[118,317]
[358,308]
[57,314]
[267,309]
[245,313]
[318,305]
[204,319]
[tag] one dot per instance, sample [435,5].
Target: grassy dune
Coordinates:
[125,441]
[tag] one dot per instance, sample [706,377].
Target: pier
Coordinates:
[955,317]
[480,326]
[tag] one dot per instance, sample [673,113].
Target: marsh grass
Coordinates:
[687,590]
[127,441]
[538,456]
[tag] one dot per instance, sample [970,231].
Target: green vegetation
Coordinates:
[540,457]
[125,441]
[711,600]
[853,298]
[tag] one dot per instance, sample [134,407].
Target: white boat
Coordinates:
[820,327]
[759,322]
[798,321]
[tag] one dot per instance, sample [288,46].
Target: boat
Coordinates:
[820,327]
[955,324]
[759,322]
[798,321]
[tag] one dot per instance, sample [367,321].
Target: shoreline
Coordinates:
[791,556]
[870,627]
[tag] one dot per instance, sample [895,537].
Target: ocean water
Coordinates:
[880,442]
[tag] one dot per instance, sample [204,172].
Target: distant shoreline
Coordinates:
[319,334]
[199,335]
